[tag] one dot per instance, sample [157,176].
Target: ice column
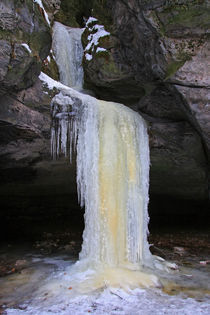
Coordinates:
[112,176]
[68,50]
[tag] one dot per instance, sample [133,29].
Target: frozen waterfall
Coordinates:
[68,50]
[112,174]
[111,144]
[112,150]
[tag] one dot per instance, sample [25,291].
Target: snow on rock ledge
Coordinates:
[96,33]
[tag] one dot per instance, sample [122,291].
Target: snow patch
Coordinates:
[88,56]
[27,47]
[98,32]
[51,83]
[116,301]
[100,49]
[94,38]
[90,20]
[39,2]
[52,54]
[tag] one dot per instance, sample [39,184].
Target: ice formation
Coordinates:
[111,144]
[112,173]
[68,50]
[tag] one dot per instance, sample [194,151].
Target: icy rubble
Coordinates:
[118,302]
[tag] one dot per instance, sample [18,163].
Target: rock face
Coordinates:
[28,177]
[52,7]
[150,41]
[156,61]
[25,42]
[35,191]
[73,12]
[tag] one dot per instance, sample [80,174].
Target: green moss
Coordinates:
[191,14]
[103,54]
[16,73]
[51,68]
[40,43]
[108,42]
[73,12]
[110,68]
[21,3]
[157,21]
[175,65]
[102,12]
[17,36]
[5,35]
